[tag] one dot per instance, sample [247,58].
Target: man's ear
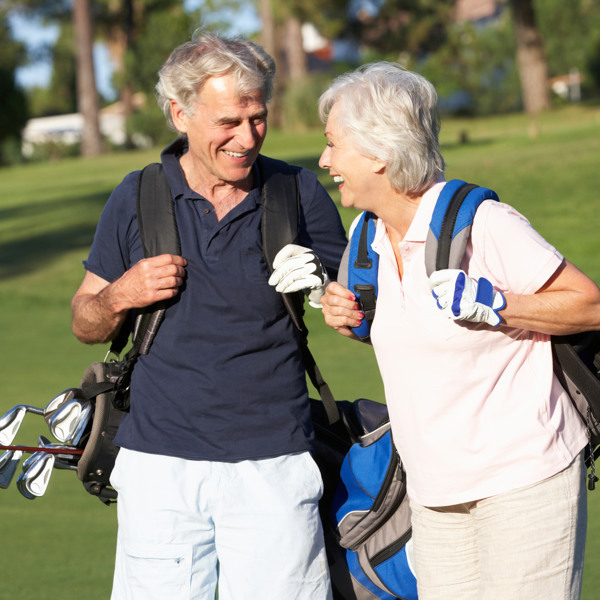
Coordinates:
[178,116]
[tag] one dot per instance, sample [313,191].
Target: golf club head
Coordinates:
[33,481]
[9,462]
[11,421]
[63,421]
[62,461]
[82,424]
[60,400]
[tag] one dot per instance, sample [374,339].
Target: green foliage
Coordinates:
[148,126]
[416,27]
[299,102]
[13,106]
[477,64]
[571,32]
[60,97]
[161,32]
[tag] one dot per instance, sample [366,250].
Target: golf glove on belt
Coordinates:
[462,298]
[297,268]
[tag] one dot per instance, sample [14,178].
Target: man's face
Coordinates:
[225,132]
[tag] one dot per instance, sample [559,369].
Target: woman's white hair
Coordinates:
[210,55]
[390,115]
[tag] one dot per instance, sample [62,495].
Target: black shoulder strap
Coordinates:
[281,222]
[159,235]
[280,226]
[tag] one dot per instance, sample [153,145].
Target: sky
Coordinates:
[34,34]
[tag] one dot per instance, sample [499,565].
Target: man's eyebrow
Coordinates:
[228,120]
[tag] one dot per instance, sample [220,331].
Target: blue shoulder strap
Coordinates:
[445,245]
[450,226]
[358,270]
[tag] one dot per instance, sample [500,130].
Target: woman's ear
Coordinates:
[378,166]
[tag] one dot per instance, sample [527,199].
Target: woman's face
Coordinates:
[354,172]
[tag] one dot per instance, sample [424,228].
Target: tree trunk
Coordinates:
[87,94]
[269,41]
[294,50]
[531,58]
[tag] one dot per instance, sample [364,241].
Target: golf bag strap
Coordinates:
[451,224]
[159,235]
[280,226]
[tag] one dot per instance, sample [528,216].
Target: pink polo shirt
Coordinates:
[475,411]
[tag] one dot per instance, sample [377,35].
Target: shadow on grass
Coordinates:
[33,252]
[465,143]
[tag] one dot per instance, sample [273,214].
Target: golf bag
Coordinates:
[576,357]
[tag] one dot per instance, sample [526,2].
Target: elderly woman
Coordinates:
[492,446]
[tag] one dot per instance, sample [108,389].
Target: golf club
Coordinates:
[67,460]
[33,481]
[60,400]
[11,421]
[8,466]
[63,422]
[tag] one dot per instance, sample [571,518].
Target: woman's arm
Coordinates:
[568,303]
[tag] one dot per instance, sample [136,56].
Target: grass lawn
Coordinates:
[62,545]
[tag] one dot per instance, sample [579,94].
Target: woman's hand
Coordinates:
[340,309]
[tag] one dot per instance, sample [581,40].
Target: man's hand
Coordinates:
[148,281]
[462,298]
[297,268]
[99,307]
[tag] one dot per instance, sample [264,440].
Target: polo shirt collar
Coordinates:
[417,232]
[179,187]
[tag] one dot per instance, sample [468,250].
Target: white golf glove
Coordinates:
[297,268]
[462,298]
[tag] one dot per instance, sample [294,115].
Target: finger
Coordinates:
[295,282]
[288,251]
[165,259]
[301,263]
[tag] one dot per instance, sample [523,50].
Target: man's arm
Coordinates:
[99,307]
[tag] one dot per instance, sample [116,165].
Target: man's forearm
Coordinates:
[94,319]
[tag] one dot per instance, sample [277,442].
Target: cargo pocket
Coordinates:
[157,571]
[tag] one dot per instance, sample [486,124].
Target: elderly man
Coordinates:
[215,480]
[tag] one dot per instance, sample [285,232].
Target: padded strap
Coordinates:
[451,224]
[159,235]
[280,226]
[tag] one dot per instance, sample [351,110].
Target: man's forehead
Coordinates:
[227,88]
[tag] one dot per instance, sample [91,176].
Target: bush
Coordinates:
[299,102]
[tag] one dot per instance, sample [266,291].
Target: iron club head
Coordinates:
[8,466]
[34,479]
[11,421]
[63,421]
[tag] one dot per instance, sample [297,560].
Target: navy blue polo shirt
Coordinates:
[224,378]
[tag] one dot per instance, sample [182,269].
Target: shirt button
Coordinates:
[206,211]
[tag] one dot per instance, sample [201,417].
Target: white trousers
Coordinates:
[527,544]
[252,527]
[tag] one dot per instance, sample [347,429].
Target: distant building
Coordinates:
[479,12]
[66,129]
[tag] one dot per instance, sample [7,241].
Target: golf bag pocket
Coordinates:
[371,515]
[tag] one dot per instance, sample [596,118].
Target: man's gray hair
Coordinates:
[210,55]
[390,115]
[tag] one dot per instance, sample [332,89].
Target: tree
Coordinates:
[87,93]
[531,57]
[408,28]
[13,107]
[281,36]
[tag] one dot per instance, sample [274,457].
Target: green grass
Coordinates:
[62,545]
